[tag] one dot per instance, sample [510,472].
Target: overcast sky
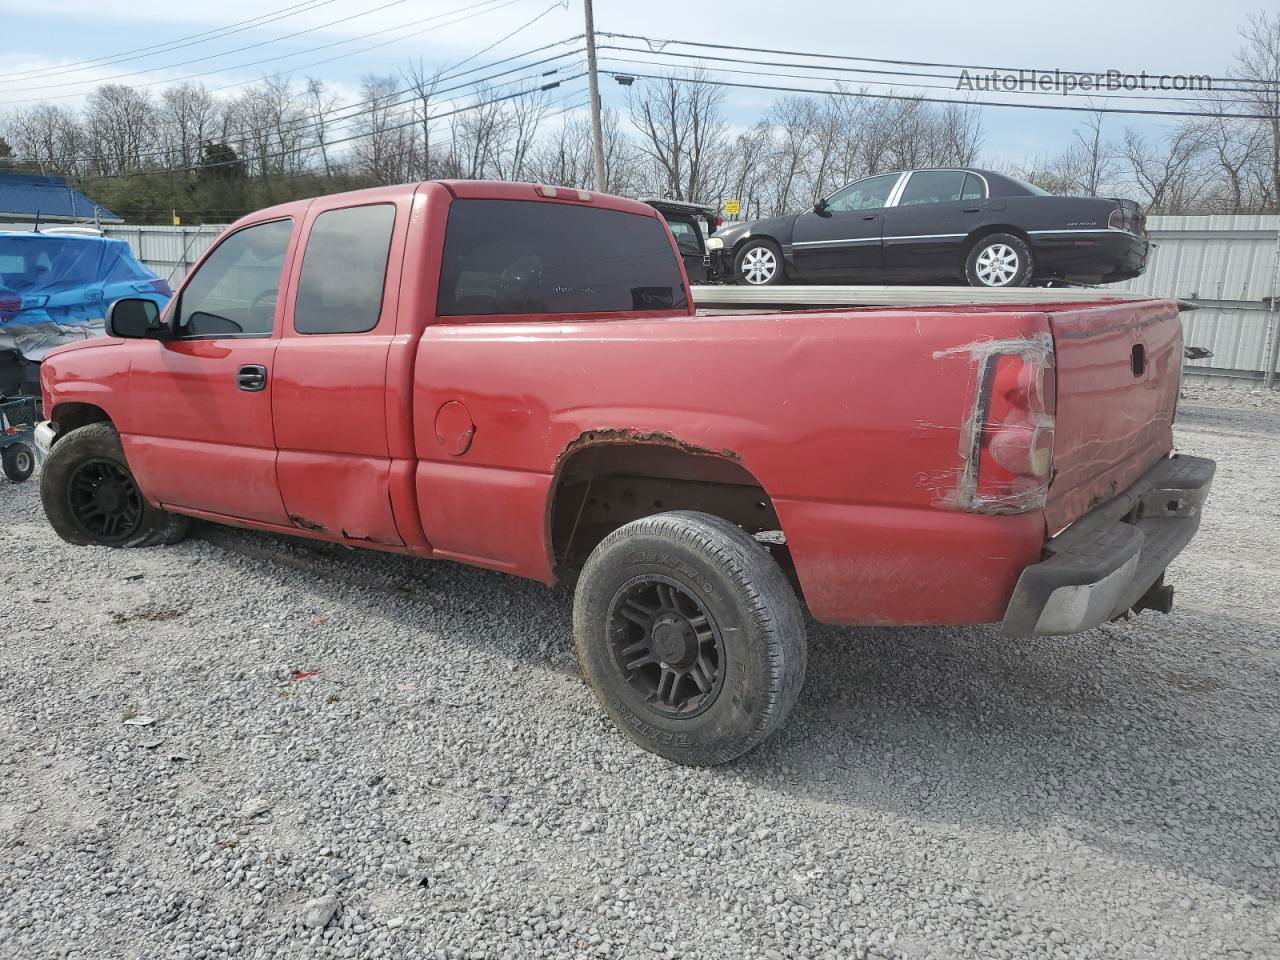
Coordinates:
[1175,36]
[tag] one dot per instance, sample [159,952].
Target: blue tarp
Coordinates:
[56,287]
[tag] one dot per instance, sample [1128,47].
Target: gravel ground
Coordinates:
[355,755]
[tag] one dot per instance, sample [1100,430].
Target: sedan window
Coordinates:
[974,188]
[864,194]
[933,186]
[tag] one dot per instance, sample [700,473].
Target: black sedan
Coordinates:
[940,226]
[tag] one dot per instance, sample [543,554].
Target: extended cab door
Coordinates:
[331,397]
[843,241]
[200,403]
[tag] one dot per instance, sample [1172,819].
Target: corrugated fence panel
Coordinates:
[169,251]
[1230,266]
[1227,264]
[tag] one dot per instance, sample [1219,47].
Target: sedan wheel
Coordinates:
[997,265]
[759,263]
[1000,260]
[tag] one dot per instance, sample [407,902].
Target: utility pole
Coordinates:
[593,80]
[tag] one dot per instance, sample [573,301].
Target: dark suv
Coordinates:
[691,224]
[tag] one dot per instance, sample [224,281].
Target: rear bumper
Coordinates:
[1108,560]
[1103,256]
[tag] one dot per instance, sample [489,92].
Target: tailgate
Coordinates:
[1118,369]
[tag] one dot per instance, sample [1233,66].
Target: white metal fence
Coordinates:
[1230,267]
[169,251]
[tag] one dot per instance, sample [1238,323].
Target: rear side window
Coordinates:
[522,256]
[974,188]
[344,270]
[933,186]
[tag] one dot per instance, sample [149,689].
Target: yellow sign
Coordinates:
[731,207]
[177,220]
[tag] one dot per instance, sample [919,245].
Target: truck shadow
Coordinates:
[1155,741]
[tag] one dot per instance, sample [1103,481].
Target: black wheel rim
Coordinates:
[104,500]
[666,646]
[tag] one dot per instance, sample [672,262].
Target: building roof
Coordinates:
[28,197]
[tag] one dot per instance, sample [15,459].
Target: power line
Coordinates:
[164,47]
[473,10]
[701,57]
[227,53]
[954,100]
[900,63]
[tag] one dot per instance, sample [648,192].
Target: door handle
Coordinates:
[872,217]
[251,378]
[972,210]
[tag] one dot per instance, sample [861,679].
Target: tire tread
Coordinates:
[767,595]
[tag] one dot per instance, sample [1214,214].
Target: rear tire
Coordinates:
[18,462]
[690,636]
[91,499]
[758,263]
[999,260]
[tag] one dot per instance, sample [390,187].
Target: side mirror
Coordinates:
[135,318]
[821,208]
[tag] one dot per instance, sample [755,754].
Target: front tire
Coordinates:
[690,636]
[91,498]
[999,260]
[18,462]
[758,263]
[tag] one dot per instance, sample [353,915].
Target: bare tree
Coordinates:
[1171,175]
[188,116]
[682,133]
[794,120]
[747,185]
[480,135]
[1258,68]
[388,143]
[323,104]
[270,127]
[524,116]
[48,136]
[121,125]
[1087,165]
[423,84]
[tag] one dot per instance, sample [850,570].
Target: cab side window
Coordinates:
[344,270]
[234,292]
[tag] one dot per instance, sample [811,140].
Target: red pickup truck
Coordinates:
[514,376]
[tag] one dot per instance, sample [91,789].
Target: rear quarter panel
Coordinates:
[851,422]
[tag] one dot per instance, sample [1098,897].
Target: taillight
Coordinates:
[1116,220]
[1013,446]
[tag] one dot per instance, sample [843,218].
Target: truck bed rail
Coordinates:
[799,297]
